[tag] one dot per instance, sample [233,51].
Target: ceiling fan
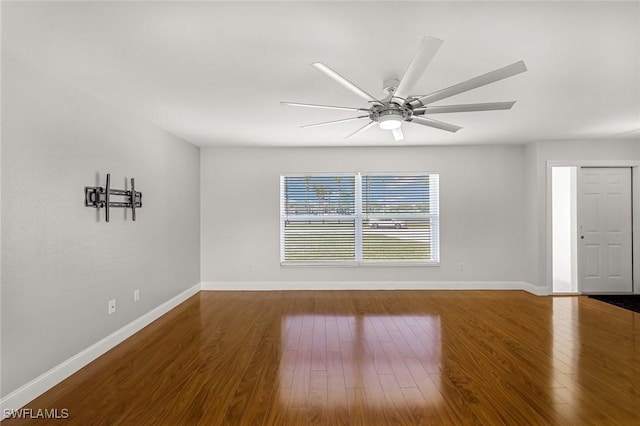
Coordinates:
[400,106]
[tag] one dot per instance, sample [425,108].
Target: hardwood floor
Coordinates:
[365,358]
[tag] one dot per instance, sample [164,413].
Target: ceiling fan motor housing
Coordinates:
[389,115]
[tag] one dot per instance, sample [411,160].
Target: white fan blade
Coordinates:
[334,122]
[482,80]
[421,60]
[346,83]
[435,123]
[397,134]
[297,104]
[361,129]
[489,106]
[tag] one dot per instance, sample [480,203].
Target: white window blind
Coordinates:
[318,218]
[359,218]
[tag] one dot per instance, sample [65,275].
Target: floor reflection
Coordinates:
[565,355]
[330,361]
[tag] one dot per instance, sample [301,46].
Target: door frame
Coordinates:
[635,214]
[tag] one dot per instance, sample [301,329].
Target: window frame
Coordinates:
[359,218]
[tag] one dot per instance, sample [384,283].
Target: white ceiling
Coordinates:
[213,73]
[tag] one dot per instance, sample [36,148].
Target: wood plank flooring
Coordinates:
[365,358]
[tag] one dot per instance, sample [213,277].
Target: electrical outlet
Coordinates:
[136,295]
[461,267]
[111,307]
[251,267]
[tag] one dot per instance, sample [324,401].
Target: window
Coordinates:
[359,218]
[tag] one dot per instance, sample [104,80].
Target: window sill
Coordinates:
[350,264]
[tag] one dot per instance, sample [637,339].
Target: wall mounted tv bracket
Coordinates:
[98,197]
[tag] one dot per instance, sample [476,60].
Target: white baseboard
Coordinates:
[364,285]
[538,291]
[27,393]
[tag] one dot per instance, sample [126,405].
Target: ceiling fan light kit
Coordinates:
[399,106]
[390,121]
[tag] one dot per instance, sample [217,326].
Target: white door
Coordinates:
[604,230]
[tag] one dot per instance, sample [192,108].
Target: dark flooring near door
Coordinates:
[365,358]
[626,301]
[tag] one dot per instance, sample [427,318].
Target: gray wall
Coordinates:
[61,262]
[493,206]
[481,208]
